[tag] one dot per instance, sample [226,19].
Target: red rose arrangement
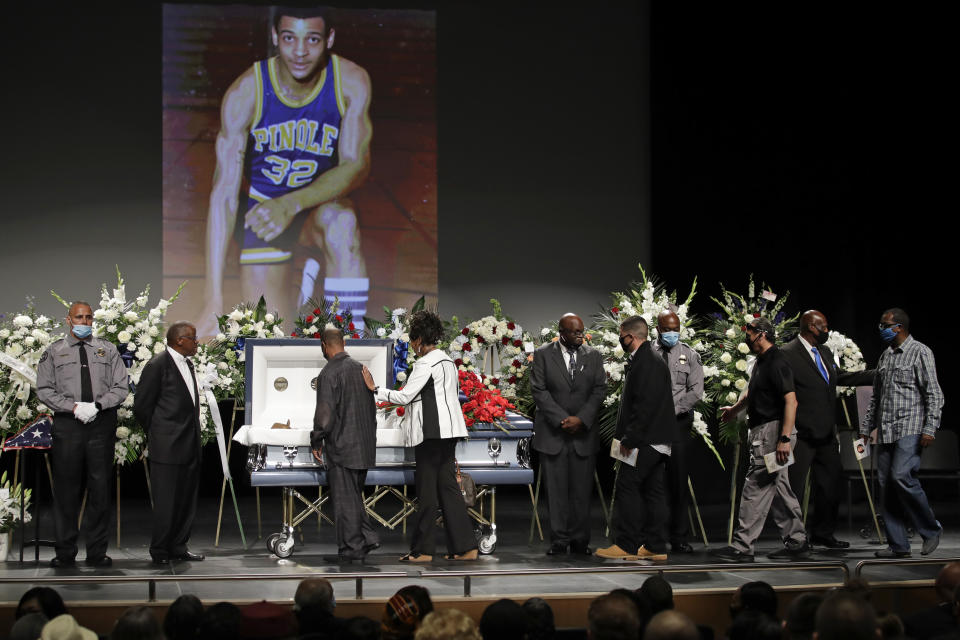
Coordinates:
[483,404]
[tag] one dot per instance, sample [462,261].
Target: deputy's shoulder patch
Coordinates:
[44,356]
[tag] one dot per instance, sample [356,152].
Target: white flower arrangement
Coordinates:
[497,343]
[10,499]
[243,321]
[23,342]
[848,356]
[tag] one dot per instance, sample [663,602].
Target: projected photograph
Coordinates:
[299,159]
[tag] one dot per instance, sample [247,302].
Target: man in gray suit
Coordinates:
[345,434]
[568,383]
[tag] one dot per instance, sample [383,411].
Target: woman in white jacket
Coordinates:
[433,422]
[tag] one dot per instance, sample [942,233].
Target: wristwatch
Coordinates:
[784,439]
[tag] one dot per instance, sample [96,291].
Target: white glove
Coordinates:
[85,412]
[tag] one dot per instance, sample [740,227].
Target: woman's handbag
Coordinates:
[467,486]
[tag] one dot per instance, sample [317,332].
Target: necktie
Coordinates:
[573,363]
[86,388]
[823,370]
[193,377]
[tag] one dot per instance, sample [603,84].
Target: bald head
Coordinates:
[947,581]
[668,321]
[571,330]
[814,328]
[845,616]
[671,625]
[316,593]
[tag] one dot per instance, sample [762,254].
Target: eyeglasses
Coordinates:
[887,325]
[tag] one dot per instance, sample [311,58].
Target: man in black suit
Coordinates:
[345,433]
[167,405]
[568,383]
[647,423]
[815,378]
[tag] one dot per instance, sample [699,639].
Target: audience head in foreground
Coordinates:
[844,616]
[448,624]
[671,625]
[613,617]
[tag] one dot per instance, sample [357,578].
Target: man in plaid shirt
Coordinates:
[905,413]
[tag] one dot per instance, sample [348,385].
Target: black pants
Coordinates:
[640,509]
[354,531]
[82,451]
[569,480]
[436,479]
[822,459]
[174,506]
[677,489]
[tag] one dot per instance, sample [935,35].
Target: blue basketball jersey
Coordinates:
[290,144]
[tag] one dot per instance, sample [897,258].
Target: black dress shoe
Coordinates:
[102,562]
[580,550]
[160,562]
[188,556]
[373,546]
[342,559]
[680,547]
[829,542]
[733,555]
[791,553]
[62,563]
[557,549]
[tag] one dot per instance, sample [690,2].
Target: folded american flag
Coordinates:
[36,435]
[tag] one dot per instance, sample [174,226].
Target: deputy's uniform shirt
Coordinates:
[686,375]
[291,142]
[58,373]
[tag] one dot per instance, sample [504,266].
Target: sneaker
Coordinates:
[930,544]
[645,554]
[890,553]
[615,553]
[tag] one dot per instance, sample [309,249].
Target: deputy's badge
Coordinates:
[313,383]
[280,384]
[683,359]
[44,356]
[101,352]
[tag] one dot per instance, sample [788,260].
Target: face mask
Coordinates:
[669,338]
[82,330]
[751,343]
[822,336]
[888,334]
[623,344]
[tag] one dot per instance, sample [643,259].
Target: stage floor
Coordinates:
[267,577]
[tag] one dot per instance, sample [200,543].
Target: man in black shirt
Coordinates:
[771,410]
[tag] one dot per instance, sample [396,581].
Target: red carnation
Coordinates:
[339,318]
[480,340]
[511,326]
[515,363]
[317,311]
[518,343]
[356,335]
[350,327]
[494,381]
[615,310]
[465,331]
[505,340]
[458,362]
[467,347]
[756,315]
[400,411]
[317,335]
[512,379]
[309,319]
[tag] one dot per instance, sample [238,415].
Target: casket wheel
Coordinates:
[272,540]
[486,539]
[284,547]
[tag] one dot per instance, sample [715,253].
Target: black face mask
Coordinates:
[822,337]
[623,344]
[751,343]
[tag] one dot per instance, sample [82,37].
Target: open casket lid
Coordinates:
[281,379]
